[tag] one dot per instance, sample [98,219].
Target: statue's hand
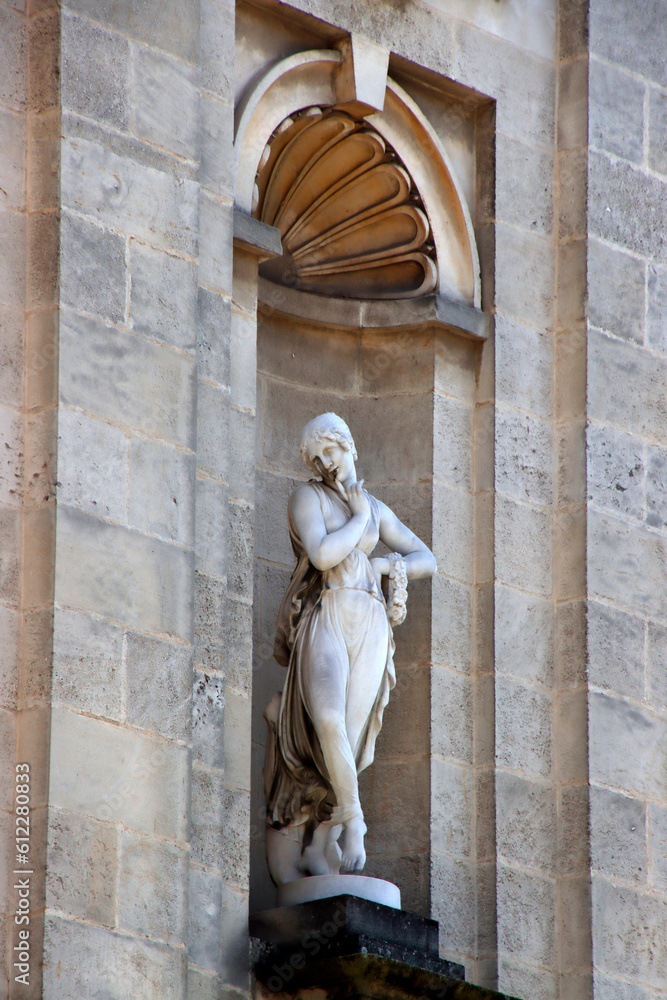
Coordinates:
[358,500]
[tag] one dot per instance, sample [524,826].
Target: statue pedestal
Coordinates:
[307,890]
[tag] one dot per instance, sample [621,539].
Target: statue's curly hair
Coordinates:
[326,427]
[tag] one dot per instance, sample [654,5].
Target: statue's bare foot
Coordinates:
[354,855]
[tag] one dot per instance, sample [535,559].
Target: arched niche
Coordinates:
[405,376]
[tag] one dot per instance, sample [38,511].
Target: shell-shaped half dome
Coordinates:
[351,220]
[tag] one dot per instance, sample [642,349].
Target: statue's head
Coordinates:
[323,429]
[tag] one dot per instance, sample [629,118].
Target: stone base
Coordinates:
[346,947]
[307,890]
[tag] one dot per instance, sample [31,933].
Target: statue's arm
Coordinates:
[326,550]
[419,560]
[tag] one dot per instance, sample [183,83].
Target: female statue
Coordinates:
[335,638]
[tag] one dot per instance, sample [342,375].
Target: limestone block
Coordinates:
[164,102]
[656,487]
[158,686]
[161,494]
[240,546]
[611,365]
[213,332]
[571,287]
[205,943]
[7,756]
[524,276]
[39,544]
[627,746]
[524,358]
[656,313]
[38,655]
[572,169]
[208,719]
[616,291]
[453,903]
[92,269]
[631,936]
[455,370]
[524,632]
[9,656]
[574,924]
[12,462]
[390,362]
[220,827]
[615,470]
[573,830]
[13,60]
[451,715]
[570,399]
[216,130]
[11,355]
[618,836]
[83,867]
[406,829]
[13,264]
[217,32]
[452,804]
[615,651]
[571,735]
[163,296]
[530,207]
[84,960]
[523,728]
[493,66]
[571,471]
[658,847]
[43,163]
[92,465]
[41,348]
[530,982]
[153,889]
[12,160]
[627,206]
[657,141]
[616,111]
[362,76]
[452,623]
[619,551]
[216,223]
[614,30]
[243,360]
[619,989]
[213,437]
[656,657]
[271,533]
[235,939]
[10,544]
[523,546]
[87,664]
[573,28]
[112,571]
[573,104]
[44,77]
[453,532]
[526,907]
[295,352]
[165,24]
[116,774]
[111,373]
[223,633]
[452,442]
[525,822]
[95,72]
[212,545]
[237,758]
[409,700]
[159,206]
[524,456]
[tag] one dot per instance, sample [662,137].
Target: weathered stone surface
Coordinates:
[523,728]
[617,548]
[656,657]
[164,102]
[205,942]
[573,104]
[217,127]
[452,440]
[631,937]
[214,318]
[532,209]
[83,960]
[95,72]
[621,989]
[627,206]
[656,487]
[523,374]
[10,542]
[163,297]
[119,775]
[212,543]
[112,571]
[158,683]
[658,847]
[92,271]
[530,900]
[526,822]
[573,830]
[523,456]
[524,635]
[524,276]
[452,623]
[112,373]
[166,24]
[12,160]
[92,465]
[213,431]
[13,59]
[9,656]
[618,836]
[616,111]
[453,532]
[572,169]
[208,719]
[627,747]
[12,462]
[656,312]
[220,826]
[216,225]
[614,29]
[616,291]
[615,470]
[523,546]
[161,490]
[451,715]
[453,889]
[657,141]
[83,867]
[158,206]
[217,77]
[13,262]
[611,367]
[616,650]
[152,898]
[87,664]
[223,633]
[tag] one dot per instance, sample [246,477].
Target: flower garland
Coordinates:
[397,598]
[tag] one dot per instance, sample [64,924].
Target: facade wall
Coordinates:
[134,496]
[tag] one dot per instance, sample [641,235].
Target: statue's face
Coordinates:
[332,456]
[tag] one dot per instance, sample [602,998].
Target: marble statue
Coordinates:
[335,638]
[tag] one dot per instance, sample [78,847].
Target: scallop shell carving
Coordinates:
[351,220]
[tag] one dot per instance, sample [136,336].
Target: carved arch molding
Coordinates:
[365,209]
